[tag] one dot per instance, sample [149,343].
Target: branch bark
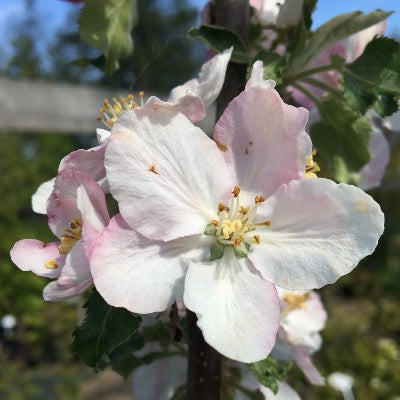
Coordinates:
[204,363]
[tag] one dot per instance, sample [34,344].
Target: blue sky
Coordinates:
[51,14]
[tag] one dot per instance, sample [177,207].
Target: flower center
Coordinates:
[111,111]
[71,236]
[235,227]
[68,240]
[295,301]
[311,166]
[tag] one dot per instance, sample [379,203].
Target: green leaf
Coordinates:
[341,133]
[334,30]
[274,65]
[105,330]
[221,39]
[125,366]
[269,371]
[107,25]
[374,78]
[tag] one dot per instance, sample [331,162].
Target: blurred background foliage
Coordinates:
[363,331]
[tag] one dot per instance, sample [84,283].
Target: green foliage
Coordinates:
[341,136]
[274,65]
[107,333]
[374,78]
[269,371]
[220,39]
[331,32]
[106,25]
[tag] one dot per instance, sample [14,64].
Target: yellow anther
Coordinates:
[311,166]
[72,235]
[256,239]
[236,191]
[113,111]
[259,199]
[244,210]
[141,93]
[295,301]
[229,227]
[153,169]
[214,222]
[51,264]
[237,242]
[221,207]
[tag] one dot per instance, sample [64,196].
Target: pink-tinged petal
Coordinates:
[267,10]
[304,362]
[263,140]
[308,317]
[40,197]
[237,310]
[136,273]
[319,231]
[74,279]
[371,174]
[356,44]
[65,288]
[159,379]
[89,162]
[92,205]
[210,80]
[190,105]
[62,206]
[285,392]
[290,13]
[32,255]
[169,178]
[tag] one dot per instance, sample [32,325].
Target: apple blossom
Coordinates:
[217,223]
[279,13]
[302,317]
[189,98]
[77,214]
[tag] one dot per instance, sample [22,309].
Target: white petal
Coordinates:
[166,174]
[237,310]
[285,392]
[40,197]
[263,139]
[319,231]
[103,135]
[210,80]
[139,274]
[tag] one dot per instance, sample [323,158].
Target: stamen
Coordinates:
[153,169]
[110,113]
[259,199]
[51,264]
[256,239]
[311,166]
[221,207]
[295,301]
[237,242]
[244,210]
[71,236]
[236,191]
[214,222]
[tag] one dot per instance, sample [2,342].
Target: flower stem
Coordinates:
[204,368]
[310,72]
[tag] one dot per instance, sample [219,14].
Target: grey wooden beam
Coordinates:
[37,106]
